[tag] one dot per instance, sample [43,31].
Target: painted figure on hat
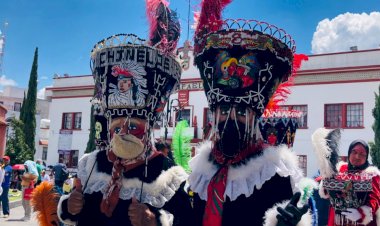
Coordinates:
[237,177]
[130,89]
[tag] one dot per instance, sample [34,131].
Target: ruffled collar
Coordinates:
[155,193]
[243,179]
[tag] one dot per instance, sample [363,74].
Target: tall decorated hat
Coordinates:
[135,77]
[279,126]
[241,62]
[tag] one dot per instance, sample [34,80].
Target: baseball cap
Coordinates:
[6,158]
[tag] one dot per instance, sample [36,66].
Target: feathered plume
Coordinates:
[326,147]
[164,25]
[44,202]
[181,145]
[210,17]
[283,90]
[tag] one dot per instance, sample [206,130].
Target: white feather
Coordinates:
[322,151]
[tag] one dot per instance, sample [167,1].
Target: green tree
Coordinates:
[91,137]
[16,148]
[29,111]
[375,146]
[22,110]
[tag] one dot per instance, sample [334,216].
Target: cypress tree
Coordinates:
[30,106]
[16,148]
[91,137]
[22,111]
[375,146]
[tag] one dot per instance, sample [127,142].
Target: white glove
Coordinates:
[352,214]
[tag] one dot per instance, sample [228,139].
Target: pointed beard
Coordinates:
[231,140]
[127,146]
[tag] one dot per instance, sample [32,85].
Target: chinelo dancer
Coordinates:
[238,179]
[127,182]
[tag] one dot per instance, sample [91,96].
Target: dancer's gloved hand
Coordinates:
[291,214]
[75,201]
[352,214]
[140,214]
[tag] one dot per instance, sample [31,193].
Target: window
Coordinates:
[344,115]
[302,121]
[207,122]
[71,120]
[77,120]
[69,158]
[302,161]
[44,153]
[184,114]
[17,106]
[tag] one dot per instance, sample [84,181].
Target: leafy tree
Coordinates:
[91,137]
[29,111]
[16,148]
[375,146]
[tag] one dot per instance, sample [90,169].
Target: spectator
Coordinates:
[60,175]
[5,186]
[45,176]
[2,172]
[29,178]
[164,148]
[322,204]
[39,169]
[354,192]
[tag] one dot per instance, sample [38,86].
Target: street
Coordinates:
[14,218]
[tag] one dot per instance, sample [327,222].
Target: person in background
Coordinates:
[165,149]
[39,169]
[354,192]
[29,178]
[322,204]
[2,172]
[60,175]
[5,185]
[45,176]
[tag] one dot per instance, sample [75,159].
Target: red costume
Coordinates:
[353,189]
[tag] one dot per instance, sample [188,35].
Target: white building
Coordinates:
[11,98]
[333,90]
[70,115]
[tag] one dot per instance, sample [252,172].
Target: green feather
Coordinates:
[181,145]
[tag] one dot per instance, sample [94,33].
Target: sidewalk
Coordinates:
[14,219]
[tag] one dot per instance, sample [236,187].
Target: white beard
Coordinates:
[121,99]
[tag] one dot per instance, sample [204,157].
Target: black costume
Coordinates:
[253,187]
[163,191]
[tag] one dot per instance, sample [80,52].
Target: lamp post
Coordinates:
[169,107]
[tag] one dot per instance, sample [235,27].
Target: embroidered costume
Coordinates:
[127,182]
[353,188]
[237,177]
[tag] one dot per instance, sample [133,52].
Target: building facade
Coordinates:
[11,99]
[332,90]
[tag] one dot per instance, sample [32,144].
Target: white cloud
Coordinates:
[346,30]
[4,81]
[41,93]
[44,78]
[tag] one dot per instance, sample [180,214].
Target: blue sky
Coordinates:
[66,30]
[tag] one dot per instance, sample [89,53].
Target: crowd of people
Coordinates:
[25,180]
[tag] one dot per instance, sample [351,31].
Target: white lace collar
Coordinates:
[244,178]
[156,193]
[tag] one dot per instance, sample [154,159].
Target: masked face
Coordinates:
[231,127]
[127,137]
